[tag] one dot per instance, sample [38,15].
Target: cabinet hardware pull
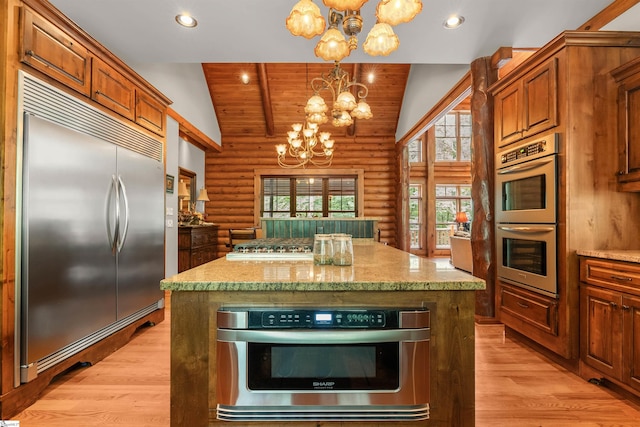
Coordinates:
[625,307]
[628,279]
[29,53]
[523,305]
[613,304]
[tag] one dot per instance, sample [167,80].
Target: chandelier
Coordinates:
[306,145]
[305,20]
[345,106]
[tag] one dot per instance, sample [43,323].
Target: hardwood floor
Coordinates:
[515,386]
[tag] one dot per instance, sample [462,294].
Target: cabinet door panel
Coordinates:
[150,113]
[48,49]
[112,89]
[541,99]
[509,115]
[631,306]
[601,336]
[633,128]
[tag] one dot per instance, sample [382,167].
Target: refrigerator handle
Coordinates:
[125,228]
[113,195]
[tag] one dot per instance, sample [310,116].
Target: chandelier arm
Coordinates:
[361,90]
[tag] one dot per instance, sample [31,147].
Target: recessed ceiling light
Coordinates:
[186,20]
[245,78]
[371,77]
[453,21]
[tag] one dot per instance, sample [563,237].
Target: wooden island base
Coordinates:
[193,349]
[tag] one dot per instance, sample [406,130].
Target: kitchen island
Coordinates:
[381,276]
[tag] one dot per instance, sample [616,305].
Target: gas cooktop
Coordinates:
[273,249]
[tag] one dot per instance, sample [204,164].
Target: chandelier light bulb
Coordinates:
[297,127]
[281,149]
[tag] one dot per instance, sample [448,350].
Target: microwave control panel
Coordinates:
[321,319]
[532,150]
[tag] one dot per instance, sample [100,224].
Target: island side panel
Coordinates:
[189,358]
[193,376]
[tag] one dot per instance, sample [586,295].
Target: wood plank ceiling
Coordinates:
[276,95]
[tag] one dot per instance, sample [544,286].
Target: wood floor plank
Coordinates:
[515,387]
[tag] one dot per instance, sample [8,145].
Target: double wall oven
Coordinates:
[323,364]
[526,214]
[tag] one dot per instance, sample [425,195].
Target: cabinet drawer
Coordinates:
[203,237]
[50,50]
[112,89]
[612,274]
[536,310]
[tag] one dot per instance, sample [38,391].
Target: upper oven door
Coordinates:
[526,192]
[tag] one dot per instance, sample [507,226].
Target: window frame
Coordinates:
[259,174]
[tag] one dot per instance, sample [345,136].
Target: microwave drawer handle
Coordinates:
[524,167]
[341,336]
[537,229]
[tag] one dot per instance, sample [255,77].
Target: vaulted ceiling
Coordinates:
[276,94]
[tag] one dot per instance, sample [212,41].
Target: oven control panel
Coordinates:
[323,319]
[531,150]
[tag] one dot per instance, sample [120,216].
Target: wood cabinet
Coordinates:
[62,52]
[112,89]
[196,245]
[628,78]
[610,322]
[528,106]
[566,88]
[48,49]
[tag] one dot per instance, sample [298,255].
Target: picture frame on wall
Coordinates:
[169,183]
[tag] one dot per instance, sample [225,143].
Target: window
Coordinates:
[309,197]
[415,216]
[453,137]
[415,151]
[450,199]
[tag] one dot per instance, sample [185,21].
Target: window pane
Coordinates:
[415,151]
[310,194]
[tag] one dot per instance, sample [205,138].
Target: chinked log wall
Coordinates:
[230,180]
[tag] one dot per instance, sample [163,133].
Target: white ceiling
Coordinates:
[144,31]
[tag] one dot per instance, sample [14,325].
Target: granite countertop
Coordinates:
[376,267]
[615,255]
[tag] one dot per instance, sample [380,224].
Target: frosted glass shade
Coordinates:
[332,46]
[362,111]
[344,4]
[305,20]
[394,12]
[381,40]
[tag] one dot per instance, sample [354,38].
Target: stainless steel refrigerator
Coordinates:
[92,237]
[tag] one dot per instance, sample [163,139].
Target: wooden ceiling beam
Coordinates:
[265,93]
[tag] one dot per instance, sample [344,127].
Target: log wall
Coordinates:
[229,179]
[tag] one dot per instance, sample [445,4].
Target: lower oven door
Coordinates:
[323,375]
[527,256]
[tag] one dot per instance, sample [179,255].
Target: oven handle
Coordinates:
[529,230]
[525,166]
[355,336]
